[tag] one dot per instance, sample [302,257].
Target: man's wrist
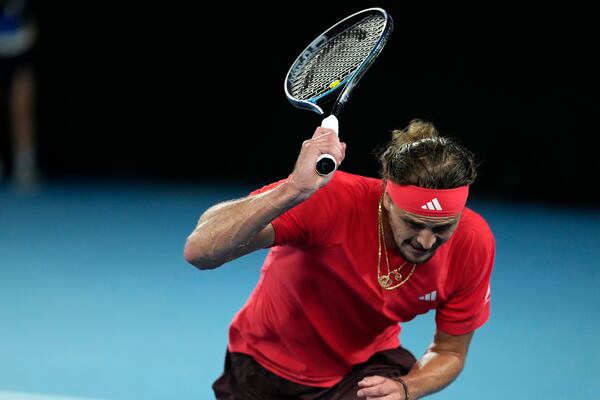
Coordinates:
[404,386]
[292,194]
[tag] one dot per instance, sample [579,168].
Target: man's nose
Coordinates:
[426,239]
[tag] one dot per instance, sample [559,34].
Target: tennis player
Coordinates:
[351,258]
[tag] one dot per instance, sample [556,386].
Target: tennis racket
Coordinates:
[332,65]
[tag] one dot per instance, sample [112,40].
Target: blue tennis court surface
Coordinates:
[97,302]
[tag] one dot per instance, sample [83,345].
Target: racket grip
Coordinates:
[326,164]
[331,122]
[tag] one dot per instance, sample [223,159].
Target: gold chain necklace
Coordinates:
[393,279]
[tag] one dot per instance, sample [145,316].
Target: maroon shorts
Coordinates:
[245,379]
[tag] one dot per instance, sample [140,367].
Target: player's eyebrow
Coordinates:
[421,225]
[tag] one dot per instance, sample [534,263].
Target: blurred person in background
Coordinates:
[17,37]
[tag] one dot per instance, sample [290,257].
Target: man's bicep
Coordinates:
[445,342]
[263,239]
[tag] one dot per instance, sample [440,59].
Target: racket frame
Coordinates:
[352,79]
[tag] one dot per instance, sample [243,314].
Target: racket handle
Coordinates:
[331,122]
[326,164]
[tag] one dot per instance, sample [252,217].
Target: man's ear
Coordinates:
[387,201]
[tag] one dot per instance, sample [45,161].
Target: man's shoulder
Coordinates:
[474,221]
[472,248]
[343,179]
[473,231]
[347,193]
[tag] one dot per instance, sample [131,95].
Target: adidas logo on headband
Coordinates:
[427,202]
[434,204]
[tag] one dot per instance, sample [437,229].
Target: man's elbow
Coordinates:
[194,255]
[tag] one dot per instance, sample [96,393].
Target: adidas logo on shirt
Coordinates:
[434,204]
[429,296]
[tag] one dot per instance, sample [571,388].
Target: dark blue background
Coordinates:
[179,91]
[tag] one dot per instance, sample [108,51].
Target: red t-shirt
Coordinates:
[318,308]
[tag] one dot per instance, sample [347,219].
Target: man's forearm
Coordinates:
[225,231]
[433,372]
[230,230]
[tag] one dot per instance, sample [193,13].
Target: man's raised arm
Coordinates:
[232,229]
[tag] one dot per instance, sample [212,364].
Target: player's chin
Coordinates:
[417,256]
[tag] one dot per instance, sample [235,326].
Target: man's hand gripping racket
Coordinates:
[333,64]
[303,177]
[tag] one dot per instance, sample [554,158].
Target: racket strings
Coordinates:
[338,58]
